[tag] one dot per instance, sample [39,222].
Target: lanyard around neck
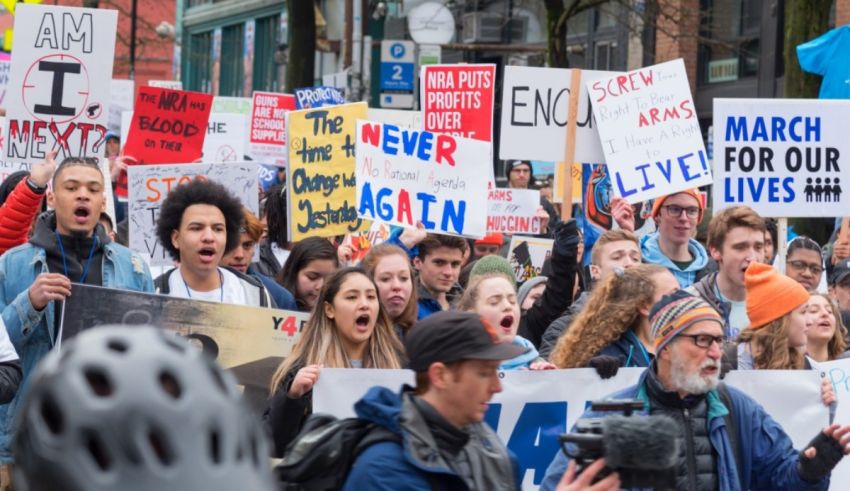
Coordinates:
[88,261]
[220,281]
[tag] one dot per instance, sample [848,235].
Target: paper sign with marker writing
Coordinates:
[60,82]
[168,126]
[513,211]
[121,95]
[782,157]
[225,140]
[527,255]
[268,126]
[406,175]
[320,171]
[149,185]
[5,73]
[458,100]
[650,132]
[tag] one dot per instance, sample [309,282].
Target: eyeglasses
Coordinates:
[704,340]
[675,211]
[803,265]
[522,171]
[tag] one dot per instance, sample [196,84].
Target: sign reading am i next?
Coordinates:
[783,158]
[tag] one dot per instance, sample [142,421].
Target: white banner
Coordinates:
[838,373]
[782,157]
[513,211]
[535,407]
[225,141]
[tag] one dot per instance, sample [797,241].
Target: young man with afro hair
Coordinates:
[199,222]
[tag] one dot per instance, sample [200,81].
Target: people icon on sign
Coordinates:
[836,191]
[818,190]
[827,190]
[809,189]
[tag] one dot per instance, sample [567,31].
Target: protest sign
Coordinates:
[512,211]
[166,84]
[232,105]
[782,157]
[361,242]
[650,133]
[268,174]
[267,134]
[527,255]
[121,95]
[535,107]
[168,126]
[398,117]
[60,82]
[225,140]
[149,185]
[315,97]
[535,407]
[458,100]
[405,176]
[5,73]
[320,173]
[7,167]
[838,373]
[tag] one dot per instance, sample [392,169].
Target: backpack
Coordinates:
[321,456]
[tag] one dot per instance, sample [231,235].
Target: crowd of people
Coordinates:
[450,309]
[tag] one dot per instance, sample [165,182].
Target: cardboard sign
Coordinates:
[61,76]
[314,97]
[149,185]
[225,140]
[121,95]
[168,126]
[5,74]
[513,211]
[267,134]
[535,107]
[527,255]
[458,100]
[405,176]
[782,157]
[320,171]
[650,133]
[166,84]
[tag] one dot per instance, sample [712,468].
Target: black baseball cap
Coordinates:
[840,271]
[455,336]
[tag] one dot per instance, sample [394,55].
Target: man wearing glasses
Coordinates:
[728,440]
[519,174]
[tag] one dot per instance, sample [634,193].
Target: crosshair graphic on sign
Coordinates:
[225,153]
[56,88]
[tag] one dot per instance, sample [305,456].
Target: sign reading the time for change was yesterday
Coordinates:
[782,157]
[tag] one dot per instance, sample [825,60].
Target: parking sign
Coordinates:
[397,78]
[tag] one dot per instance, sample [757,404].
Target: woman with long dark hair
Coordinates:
[304,272]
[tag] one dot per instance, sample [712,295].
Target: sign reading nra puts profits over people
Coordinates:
[782,157]
[59,87]
[458,100]
[650,133]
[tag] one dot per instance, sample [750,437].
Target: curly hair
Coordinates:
[612,309]
[275,212]
[198,192]
[769,346]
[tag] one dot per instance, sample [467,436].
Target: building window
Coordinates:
[199,63]
[732,28]
[604,56]
[232,65]
[265,44]
[593,38]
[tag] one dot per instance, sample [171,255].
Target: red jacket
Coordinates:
[17,214]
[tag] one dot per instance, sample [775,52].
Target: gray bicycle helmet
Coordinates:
[136,408]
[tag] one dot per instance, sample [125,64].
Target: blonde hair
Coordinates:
[838,344]
[770,348]
[370,263]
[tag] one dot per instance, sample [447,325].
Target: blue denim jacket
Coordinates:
[32,332]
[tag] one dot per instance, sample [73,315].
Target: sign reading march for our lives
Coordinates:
[650,133]
[782,157]
[405,176]
[148,186]
[268,126]
[513,211]
[321,189]
[314,97]
[458,100]
[60,81]
[168,126]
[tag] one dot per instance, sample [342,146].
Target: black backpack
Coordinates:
[321,456]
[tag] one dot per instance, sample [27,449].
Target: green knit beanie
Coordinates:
[493,264]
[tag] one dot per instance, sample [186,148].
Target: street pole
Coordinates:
[133,15]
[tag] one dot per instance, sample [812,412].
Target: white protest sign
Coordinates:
[405,175]
[527,255]
[122,95]
[5,73]
[782,157]
[166,84]
[398,117]
[535,106]
[149,185]
[7,168]
[225,140]
[838,373]
[650,133]
[267,134]
[60,82]
[513,211]
[126,120]
[535,407]
[233,105]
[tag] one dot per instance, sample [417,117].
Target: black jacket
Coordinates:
[267,265]
[284,416]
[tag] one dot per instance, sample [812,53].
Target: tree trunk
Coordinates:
[300,71]
[556,30]
[804,21]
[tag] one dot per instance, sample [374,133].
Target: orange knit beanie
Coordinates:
[770,295]
[659,202]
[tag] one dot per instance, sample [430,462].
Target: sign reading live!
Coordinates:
[458,99]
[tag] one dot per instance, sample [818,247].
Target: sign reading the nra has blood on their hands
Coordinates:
[268,126]
[168,126]
[320,172]
[59,88]
[782,157]
[458,99]
[406,176]
[650,133]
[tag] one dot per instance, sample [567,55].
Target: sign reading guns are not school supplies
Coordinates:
[320,172]
[268,126]
[406,175]
[650,133]
[782,157]
[458,99]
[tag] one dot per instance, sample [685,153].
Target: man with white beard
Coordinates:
[727,442]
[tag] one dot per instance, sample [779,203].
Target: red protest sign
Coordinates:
[168,126]
[458,99]
[268,126]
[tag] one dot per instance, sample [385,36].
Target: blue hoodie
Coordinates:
[652,254]
[524,360]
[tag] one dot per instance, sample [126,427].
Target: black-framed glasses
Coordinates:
[675,211]
[704,340]
[803,265]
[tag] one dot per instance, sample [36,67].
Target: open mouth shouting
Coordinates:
[81,214]
[507,324]
[362,322]
[207,255]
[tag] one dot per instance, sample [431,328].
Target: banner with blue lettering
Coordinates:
[838,374]
[534,407]
[313,97]
[406,175]
[782,157]
[650,132]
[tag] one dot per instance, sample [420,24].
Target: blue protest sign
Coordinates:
[313,97]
